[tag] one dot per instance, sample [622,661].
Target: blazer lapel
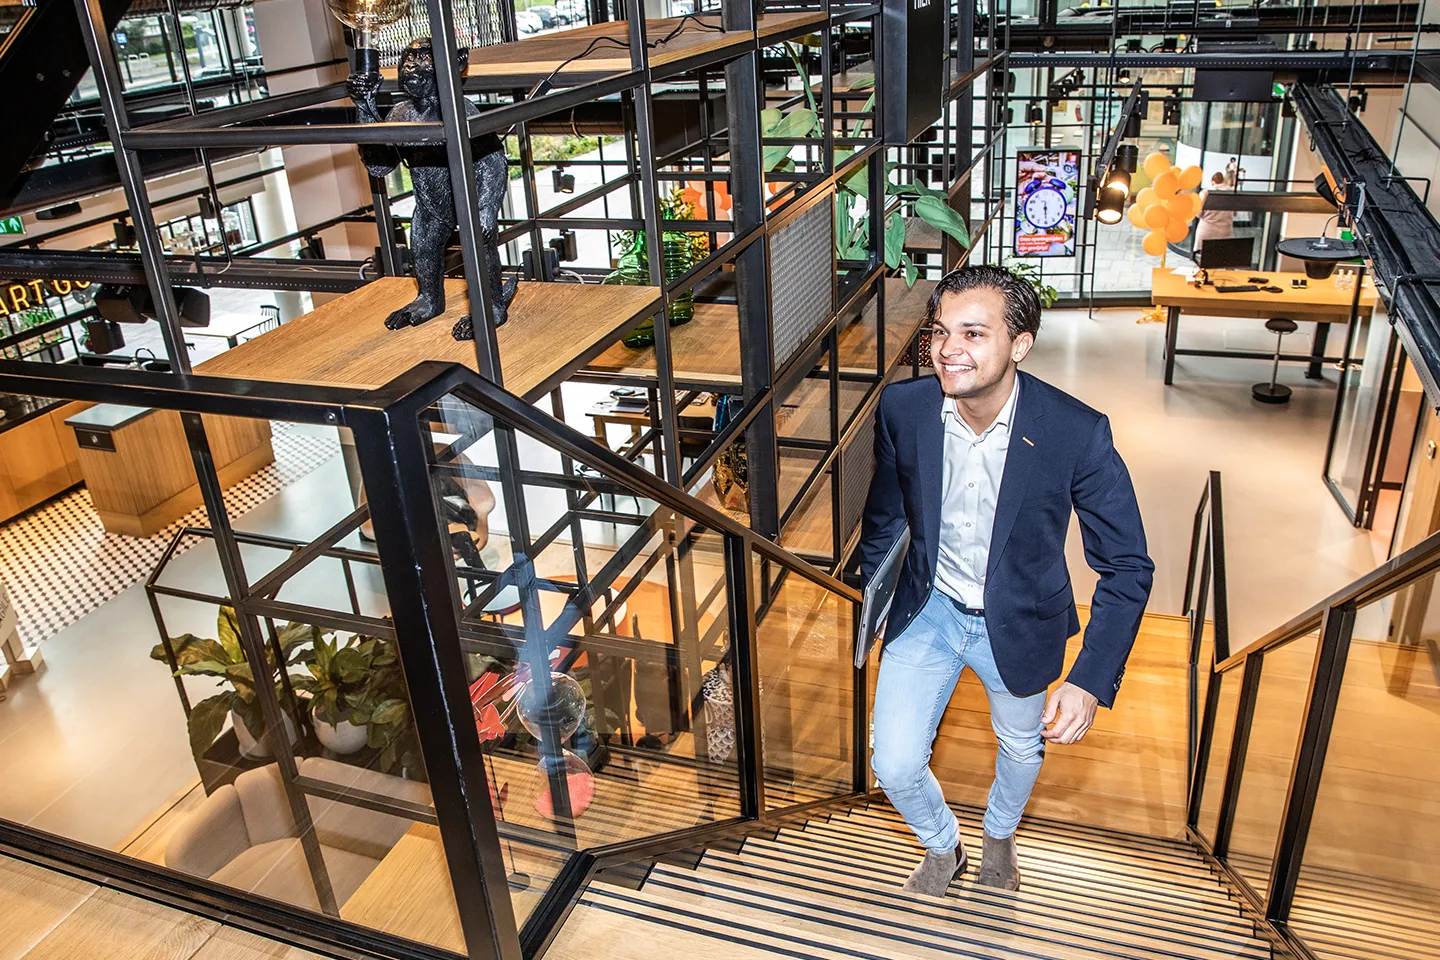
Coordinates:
[1022,460]
[930,463]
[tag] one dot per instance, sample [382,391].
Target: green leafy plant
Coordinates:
[852,221]
[339,675]
[678,253]
[225,659]
[1030,273]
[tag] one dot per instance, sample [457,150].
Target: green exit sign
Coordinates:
[11,225]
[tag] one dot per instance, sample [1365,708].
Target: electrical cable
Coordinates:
[544,85]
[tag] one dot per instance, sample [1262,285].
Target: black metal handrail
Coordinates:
[1335,619]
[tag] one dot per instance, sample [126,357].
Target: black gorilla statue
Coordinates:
[434,218]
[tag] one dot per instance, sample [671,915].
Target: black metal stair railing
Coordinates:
[1231,716]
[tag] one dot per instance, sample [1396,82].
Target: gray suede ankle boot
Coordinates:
[935,873]
[999,865]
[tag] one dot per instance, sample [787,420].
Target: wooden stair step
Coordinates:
[862,927]
[1056,904]
[971,908]
[1036,862]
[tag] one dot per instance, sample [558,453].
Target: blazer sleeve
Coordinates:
[1114,541]
[884,517]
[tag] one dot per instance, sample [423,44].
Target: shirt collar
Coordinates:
[1002,420]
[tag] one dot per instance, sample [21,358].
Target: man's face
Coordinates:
[971,348]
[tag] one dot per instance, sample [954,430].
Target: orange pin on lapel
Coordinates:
[1028,440]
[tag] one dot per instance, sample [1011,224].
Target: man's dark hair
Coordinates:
[1022,306]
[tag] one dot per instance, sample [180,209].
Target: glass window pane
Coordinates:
[1270,757]
[1367,886]
[1221,739]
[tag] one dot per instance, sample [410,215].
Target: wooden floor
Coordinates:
[45,915]
[830,889]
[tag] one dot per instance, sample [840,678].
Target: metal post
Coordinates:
[462,180]
[132,180]
[1323,699]
[237,585]
[385,227]
[745,677]
[1234,771]
[394,454]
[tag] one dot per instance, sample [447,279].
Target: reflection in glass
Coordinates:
[1220,742]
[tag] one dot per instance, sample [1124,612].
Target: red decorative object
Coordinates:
[582,792]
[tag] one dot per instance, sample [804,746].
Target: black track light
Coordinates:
[1035,113]
[563,182]
[1110,208]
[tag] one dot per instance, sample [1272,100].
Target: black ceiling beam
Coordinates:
[251,273]
[87,176]
[1395,231]
[1103,23]
[1388,62]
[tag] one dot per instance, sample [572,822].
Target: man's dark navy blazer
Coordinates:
[1061,455]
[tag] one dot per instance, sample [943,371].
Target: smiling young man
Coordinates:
[985,463]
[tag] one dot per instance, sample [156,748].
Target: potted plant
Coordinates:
[678,253]
[337,682]
[225,658]
[1030,273]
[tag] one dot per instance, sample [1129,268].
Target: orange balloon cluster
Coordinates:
[1167,206]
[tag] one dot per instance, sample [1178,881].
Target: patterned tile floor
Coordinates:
[60,564]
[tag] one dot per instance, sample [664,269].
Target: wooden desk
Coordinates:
[1318,302]
[697,416]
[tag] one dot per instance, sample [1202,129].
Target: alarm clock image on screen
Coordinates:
[1045,206]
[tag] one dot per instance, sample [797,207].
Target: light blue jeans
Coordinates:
[918,673]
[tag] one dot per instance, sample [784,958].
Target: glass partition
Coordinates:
[596,628]
[1270,757]
[1221,737]
[269,746]
[1367,885]
[805,642]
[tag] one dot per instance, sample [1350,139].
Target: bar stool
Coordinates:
[1273,392]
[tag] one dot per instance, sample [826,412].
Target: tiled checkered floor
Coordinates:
[60,564]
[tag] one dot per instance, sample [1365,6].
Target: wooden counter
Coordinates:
[136,462]
[38,459]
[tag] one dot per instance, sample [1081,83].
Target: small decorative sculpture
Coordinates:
[434,218]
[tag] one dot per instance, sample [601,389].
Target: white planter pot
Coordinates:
[252,748]
[342,738]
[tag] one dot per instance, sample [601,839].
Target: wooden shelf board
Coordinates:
[904,314]
[706,350]
[921,237]
[523,63]
[554,328]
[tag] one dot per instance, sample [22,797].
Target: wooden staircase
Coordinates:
[830,888]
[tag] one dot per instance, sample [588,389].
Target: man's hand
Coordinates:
[1071,710]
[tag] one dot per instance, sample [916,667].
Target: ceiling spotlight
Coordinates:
[1110,208]
[1132,125]
[563,182]
[1127,158]
[1118,179]
[1358,100]
[1124,76]
[1004,115]
[1034,113]
[1323,188]
[1171,116]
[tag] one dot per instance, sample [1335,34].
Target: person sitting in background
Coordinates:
[1214,224]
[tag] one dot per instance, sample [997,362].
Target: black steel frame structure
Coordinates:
[1333,620]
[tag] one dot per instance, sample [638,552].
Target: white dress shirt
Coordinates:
[974,466]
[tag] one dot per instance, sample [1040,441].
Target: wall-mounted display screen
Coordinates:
[1047,185]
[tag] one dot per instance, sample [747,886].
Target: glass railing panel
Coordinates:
[1222,737]
[147,733]
[805,644]
[1367,885]
[629,730]
[1270,757]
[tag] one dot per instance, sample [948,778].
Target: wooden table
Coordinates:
[696,416]
[1318,302]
